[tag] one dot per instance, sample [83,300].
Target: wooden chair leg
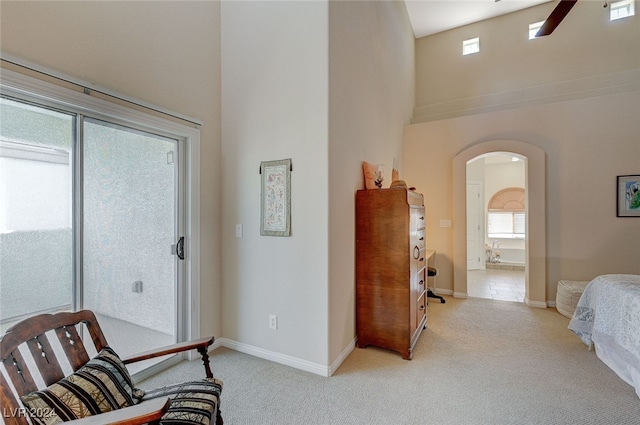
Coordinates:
[205,361]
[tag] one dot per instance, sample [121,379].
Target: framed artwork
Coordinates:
[628,196]
[275,194]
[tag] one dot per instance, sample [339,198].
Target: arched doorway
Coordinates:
[496,231]
[535,261]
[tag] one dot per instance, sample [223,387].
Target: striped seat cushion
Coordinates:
[100,386]
[192,403]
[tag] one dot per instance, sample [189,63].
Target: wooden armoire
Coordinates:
[391,306]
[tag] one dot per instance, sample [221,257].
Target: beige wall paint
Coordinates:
[572,94]
[585,54]
[330,85]
[371,92]
[275,97]
[169,53]
[587,144]
[164,53]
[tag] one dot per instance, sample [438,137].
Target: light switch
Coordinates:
[238,230]
[445,223]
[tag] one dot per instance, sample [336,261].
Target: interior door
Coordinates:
[131,219]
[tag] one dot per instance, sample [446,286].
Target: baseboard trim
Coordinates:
[538,304]
[284,359]
[342,357]
[216,344]
[442,291]
[460,295]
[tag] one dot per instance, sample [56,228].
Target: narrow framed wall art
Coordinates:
[628,190]
[275,198]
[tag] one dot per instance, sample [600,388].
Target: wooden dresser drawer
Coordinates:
[420,241]
[421,311]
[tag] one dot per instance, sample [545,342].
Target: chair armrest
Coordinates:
[199,344]
[145,412]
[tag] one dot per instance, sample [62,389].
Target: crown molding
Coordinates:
[583,88]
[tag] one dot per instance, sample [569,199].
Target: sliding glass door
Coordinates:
[130,222]
[91,218]
[36,192]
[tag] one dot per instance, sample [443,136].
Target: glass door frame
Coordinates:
[80,201]
[39,92]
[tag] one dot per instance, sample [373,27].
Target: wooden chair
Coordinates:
[34,332]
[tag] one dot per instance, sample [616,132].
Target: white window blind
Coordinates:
[506,225]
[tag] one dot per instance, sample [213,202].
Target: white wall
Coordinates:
[29,182]
[585,55]
[164,53]
[329,84]
[275,97]
[371,99]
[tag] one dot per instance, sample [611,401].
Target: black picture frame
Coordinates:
[628,196]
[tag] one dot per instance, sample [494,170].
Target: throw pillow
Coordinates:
[192,403]
[102,385]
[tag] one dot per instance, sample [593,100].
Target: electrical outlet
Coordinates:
[137,286]
[238,230]
[273,322]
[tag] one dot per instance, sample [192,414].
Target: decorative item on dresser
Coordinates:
[391,306]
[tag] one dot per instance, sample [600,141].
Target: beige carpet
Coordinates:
[478,362]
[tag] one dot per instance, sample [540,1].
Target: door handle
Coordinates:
[180,248]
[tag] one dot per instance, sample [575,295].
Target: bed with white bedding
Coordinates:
[607,316]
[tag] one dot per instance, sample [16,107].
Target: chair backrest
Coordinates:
[33,335]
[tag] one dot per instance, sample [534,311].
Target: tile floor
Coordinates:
[504,285]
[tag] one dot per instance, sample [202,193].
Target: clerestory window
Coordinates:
[621,9]
[471,46]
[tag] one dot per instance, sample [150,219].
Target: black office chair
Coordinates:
[432,271]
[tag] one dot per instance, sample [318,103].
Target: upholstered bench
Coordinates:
[568,294]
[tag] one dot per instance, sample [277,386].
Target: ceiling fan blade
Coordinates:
[556,17]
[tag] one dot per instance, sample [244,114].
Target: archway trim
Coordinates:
[535,189]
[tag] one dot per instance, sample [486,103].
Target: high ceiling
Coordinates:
[433,16]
